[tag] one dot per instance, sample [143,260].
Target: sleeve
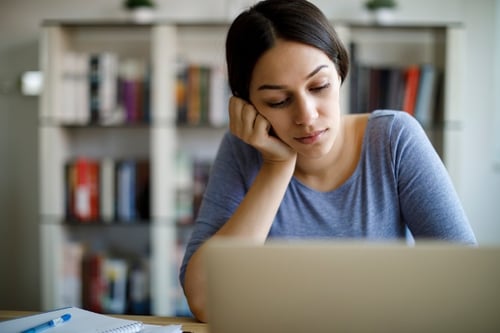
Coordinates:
[429,203]
[233,171]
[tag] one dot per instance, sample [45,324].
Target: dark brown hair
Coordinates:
[255,31]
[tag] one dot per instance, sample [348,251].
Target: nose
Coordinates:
[305,111]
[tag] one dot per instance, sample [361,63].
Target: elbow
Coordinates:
[198,308]
[194,288]
[195,296]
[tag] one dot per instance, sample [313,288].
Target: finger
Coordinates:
[235,108]
[248,116]
[242,118]
[261,126]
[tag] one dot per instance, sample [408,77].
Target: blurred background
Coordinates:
[478,181]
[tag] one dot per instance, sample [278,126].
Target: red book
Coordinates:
[411,89]
[93,282]
[94,190]
[70,189]
[86,197]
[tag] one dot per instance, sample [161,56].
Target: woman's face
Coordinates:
[296,88]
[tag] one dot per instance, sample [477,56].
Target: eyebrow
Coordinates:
[279,87]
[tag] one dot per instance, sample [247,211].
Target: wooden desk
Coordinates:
[188,324]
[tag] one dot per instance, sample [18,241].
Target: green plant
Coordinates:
[131,4]
[376,4]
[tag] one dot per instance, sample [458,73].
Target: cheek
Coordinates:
[280,123]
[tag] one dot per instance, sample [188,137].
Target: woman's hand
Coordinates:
[249,125]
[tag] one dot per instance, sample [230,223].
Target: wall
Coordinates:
[19,22]
[481,178]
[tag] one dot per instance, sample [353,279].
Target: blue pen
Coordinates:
[51,323]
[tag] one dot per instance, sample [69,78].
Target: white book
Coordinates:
[68,94]
[82,96]
[107,190]
[108,74]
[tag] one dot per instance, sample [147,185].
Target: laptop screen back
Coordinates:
[352,287]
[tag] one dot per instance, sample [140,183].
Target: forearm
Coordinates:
[254,217]
[252,220]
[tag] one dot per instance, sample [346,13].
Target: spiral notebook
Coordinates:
[82,321]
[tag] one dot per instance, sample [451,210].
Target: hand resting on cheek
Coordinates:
[249,125]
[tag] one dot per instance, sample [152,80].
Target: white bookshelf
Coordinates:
[162,44]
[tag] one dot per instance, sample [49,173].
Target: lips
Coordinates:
[310,138]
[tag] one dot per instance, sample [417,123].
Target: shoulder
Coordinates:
[382,120]
[395,135]
[399,125]
[393,118]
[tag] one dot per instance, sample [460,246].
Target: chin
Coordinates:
[314,152]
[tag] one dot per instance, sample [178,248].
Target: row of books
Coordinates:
[415,89]
[104,89]
[202,95]
[107,190]
[101,88]
[191,181]
[104,283]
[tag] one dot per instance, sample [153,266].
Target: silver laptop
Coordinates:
[352,287]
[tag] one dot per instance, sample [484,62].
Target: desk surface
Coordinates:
[188,324]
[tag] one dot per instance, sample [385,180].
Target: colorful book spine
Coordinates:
[202,95]
[411,91]
[113,284]
[426,99]
[85,196]
[107,191]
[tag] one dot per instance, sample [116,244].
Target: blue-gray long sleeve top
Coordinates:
[399,183]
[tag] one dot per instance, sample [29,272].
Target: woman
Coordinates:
[294,166]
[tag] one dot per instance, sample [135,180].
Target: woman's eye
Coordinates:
[321,87]
[279,104]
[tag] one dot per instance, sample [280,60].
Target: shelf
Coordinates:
[163,45]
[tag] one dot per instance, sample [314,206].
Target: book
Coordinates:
[84,321]
[134,93]
[411,91]
[142,189]
[193,95]
[107,189]
[426,98]
[133,190]
[114,298]
[75,104]
[71,286]
[108,85]
[125,194]
[139,287]
[102,87]
[86,192]
[181,92]
[94,87]
[93,283]
[202,94]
